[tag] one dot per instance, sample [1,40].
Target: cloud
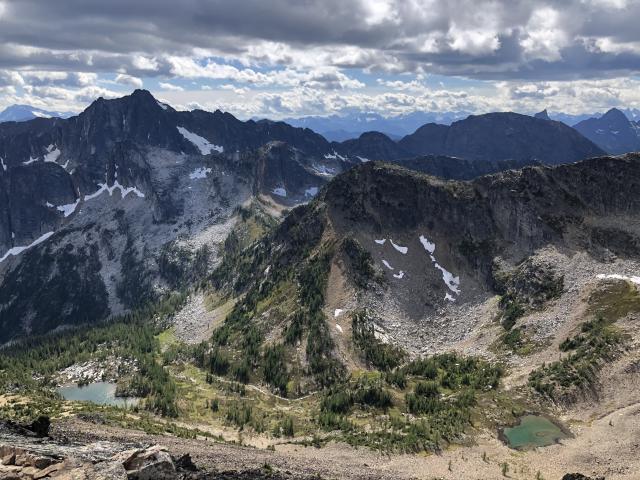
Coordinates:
[132,81]
[170,86]
[459,37]
[337,49]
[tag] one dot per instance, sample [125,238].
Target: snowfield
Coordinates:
[18,250]
[202,143]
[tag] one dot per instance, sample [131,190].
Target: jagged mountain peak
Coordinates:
[613,132]
[615,114]
[543,115]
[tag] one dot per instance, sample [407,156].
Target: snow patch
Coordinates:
[202,143]
[380,242]
[616,276]
[18,250]
[402,250]
[4,167]
[386,264]
[428,246]
[333,156]
[52,154]
[452,282]
[324,170]
[124,191]
[362,159]
[162,105]
[199,173]
[338,312]
[69,208]
[30,161]
[311,192]
[399,275]
[449,297]
[280,191]
[339,328]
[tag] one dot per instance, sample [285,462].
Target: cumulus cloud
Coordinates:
[328,47]
[130,80]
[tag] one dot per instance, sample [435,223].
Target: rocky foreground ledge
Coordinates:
[28,453]
[153,463]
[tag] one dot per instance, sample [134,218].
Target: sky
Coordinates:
[292,58]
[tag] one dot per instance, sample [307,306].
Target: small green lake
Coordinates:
[533,431]
[102,393]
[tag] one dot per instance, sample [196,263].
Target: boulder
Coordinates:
[154,463]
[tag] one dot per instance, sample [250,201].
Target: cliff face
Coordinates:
[96,209]
[409,223]
[515,211]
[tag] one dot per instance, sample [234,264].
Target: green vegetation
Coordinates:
[53,289]
[517,340]
[439,392]
[313,282]
[527,287]
[275,293]
[361,263]
[275,368]
[31,365]
[598,342]
[375,353]
[512,310]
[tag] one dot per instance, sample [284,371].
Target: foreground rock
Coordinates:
[153,463]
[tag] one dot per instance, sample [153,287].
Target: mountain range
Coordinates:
[351,125]
[22,113]
[100,200]
[256,283]
[613,132]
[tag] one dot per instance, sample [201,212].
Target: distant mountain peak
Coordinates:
[615,114]
[543,115]
[23,113]
[613,132]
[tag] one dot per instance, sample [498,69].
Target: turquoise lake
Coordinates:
[533,431]
[101,393]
